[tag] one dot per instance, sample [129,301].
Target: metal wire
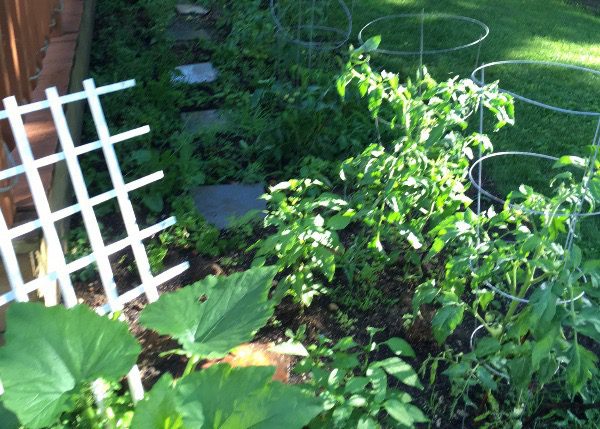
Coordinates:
[488,367]
[526,301]
[499,200]
[342,34]
[421,16]
[535,102]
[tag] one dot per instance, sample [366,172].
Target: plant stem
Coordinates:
[514,304]
[191,365]
[484,323]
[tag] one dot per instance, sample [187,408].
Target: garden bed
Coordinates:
[370,244]
[246,149]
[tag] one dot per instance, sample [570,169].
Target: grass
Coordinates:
[551,30]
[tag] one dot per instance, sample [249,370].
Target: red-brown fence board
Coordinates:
[25,27]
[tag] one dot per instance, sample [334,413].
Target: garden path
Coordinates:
[219,204]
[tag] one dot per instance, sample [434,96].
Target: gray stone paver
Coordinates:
[191,9]
[194,122]
[219,203]
[196,73]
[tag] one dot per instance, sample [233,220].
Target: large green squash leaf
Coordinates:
[217,391]
[159,408]
[221,397]
[214,315]
[275,407]
[51,352]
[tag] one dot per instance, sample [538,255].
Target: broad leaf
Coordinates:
[370,45]
[543,304]
[405,414]
[356,384]
[520,371]
[400,347]
[543,346]
[339,221]
[217,391]
[365,422]
[159,408]
[399,369]
[486,378]
[214,315]
[486,346]
[222,397]
[275,407]
[588,323]
[581,368]
[446,320]
[51,352]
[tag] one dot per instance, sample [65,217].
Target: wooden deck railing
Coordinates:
[25,28]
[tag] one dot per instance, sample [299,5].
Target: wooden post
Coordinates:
[6,201]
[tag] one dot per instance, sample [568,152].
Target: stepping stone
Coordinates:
[182,30]
[194,122]
[191,9]
[219,203]
[196,73]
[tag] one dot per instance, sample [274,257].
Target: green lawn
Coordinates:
[552,30]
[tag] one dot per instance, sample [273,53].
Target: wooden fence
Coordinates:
[25,29]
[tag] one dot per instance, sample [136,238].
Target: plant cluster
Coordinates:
[531,290]
[518,272]
[388,197]
[376,181]
[60,367]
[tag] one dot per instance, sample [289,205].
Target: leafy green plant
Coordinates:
[403,186]
[209,319]
[355,387]
[51,354]
[305,242]
[54,358]
[389,196]
[214,315]
[533,296]
[226,397]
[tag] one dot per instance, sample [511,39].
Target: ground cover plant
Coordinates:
[48,351]
[370,223]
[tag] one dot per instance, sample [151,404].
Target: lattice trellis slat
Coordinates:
[61,269]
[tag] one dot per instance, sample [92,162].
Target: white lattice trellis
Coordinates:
[60,270]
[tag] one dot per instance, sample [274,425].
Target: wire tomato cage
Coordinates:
[308,24]
[403,20]
[476,170]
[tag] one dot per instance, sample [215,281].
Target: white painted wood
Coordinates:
[81,193]
[139,252]
[38,194]
[27,227]
[79,150]
[59,269]
[11,265]
[70,98]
